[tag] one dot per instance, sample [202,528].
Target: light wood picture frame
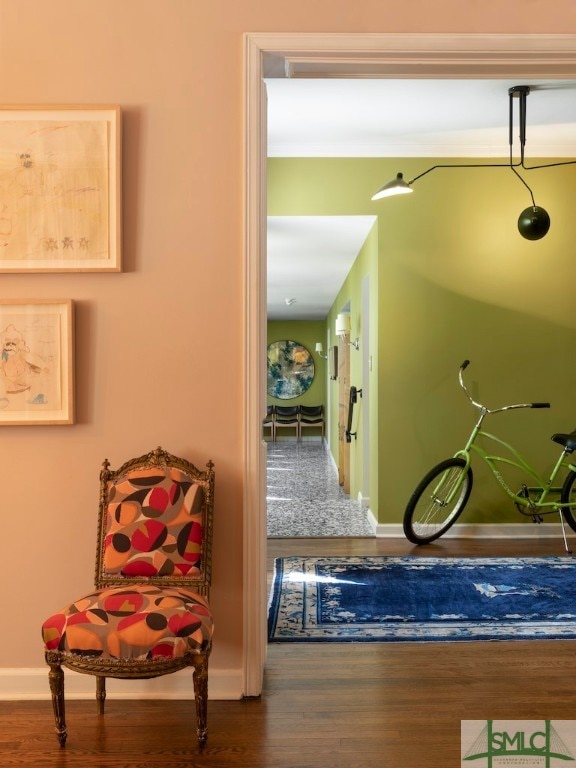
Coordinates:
[60,189]
[36,362]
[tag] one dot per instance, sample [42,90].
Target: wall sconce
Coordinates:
[533,222]
[320,350]
[343,328]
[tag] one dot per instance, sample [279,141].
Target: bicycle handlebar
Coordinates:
[483,408]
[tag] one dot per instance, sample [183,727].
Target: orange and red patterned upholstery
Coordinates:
[136,623]
[154,525]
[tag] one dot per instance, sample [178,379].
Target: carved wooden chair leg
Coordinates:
[200,677]
[100,693]
[56,679]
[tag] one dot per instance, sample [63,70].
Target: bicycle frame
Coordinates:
[536,497]
[542,487]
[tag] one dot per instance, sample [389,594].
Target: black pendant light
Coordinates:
[533,222]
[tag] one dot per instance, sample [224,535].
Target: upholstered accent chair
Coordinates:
[148,614]
[311,416]
[287,416]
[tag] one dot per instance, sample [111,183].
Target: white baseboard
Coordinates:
[31,684]
[332,460]
[488,531]
[372,521]
[364,501]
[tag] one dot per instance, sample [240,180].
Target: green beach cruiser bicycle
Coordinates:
[442,494]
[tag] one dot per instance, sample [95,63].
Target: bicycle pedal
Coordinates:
[537,519]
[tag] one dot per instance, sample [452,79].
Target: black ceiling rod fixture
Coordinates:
[521,92]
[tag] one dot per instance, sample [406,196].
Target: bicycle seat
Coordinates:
[568,441]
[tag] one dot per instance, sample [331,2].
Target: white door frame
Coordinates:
[524,57]
[366,379]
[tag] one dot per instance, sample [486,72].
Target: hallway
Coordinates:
[303,496]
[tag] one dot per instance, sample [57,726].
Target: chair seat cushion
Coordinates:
[140,622]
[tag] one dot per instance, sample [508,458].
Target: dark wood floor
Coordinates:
[324,705]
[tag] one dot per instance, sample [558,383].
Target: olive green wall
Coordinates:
[306,333]
[350,297]
[456,281]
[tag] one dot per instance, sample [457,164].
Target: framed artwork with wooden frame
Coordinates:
[36,362]
[290,369]
[60,189]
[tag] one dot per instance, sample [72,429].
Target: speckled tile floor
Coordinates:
[304,498]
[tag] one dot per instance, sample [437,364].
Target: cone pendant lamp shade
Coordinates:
[395,187]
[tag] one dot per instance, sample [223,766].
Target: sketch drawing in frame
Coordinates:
[36,362]
[60,191]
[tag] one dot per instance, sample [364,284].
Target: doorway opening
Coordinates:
[312,261]
[364,55]
[308,474]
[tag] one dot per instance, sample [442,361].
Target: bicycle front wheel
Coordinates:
[438,501]
[568,496]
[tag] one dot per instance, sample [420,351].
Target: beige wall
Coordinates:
[160,349]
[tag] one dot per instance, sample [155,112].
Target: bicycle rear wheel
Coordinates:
[568,496]
[438,501]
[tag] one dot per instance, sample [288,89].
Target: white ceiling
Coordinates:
[308,260]
[415,118]
[388,118]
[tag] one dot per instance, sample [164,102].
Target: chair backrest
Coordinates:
[287,411]
[311,410]
[155,523]
[270,413]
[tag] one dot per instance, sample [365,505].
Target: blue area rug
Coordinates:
[424,599]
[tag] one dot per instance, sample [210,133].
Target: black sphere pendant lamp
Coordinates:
[533,223]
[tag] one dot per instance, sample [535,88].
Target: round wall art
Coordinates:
[290,369]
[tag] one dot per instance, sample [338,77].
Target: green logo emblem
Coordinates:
[540,742]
